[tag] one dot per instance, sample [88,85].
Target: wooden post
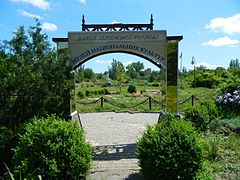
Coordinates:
[192,100]
[102,101]
[150,103]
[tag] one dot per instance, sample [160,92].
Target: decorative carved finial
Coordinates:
[151,19]
[83,20]
[83,23]
[151,22]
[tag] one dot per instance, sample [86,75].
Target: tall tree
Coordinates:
[234,63]
[33,81]
[19,43]
[154,76]
[121,75]
[88,74]
[39,41]
[134,69]
[79,73]
[113,69]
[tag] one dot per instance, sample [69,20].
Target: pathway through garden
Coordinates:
[113,137]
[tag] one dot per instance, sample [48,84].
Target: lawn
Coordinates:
[117,100]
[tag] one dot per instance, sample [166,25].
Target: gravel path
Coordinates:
[109,128]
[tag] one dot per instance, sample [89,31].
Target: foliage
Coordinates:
[234,63]
[92,93]
[206,79]
[79,76]
[85,74]
[120,75]
[88,74]
[6,141]
[55,150]
[81,94]
[211,146]
[155,84]
[206,173]
[232,123]
[229,87]
[201,114]
[131,88]
[35,81]
[222,154]
[233,143]
[134,69]
[170,150]
[112,70]
[154,76]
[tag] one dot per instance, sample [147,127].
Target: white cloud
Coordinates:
[208,66]
[98,61]
[83,1]
[42,4]
[108,62]
[27,14]
[127,63]
[49,26]
[222,41]
[229,25]
[116,22]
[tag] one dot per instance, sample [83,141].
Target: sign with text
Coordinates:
[151,45]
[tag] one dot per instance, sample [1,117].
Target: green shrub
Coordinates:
[211,108]
[52,148]
[96,92]
[81,94]
[102,91]
[87,93]
[201,114]
[106,91]
[229,87]
[206,172]
[155,84]
[211,144]
[131,88]
[206,79]
[170,150]
[6,143]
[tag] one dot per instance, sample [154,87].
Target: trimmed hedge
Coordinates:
[170,150]
[132,88]
[54,149]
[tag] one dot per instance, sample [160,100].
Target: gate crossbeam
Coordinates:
[117,26]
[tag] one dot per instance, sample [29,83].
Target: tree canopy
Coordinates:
[134,69]
[34,80]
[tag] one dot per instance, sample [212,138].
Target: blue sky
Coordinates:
[210,28]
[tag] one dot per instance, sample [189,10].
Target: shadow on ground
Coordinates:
[114,152]
[135,176]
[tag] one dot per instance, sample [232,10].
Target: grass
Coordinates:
[227,163]
[118,103]
[233,122]
[185,91]
[116,100]
[125,98]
